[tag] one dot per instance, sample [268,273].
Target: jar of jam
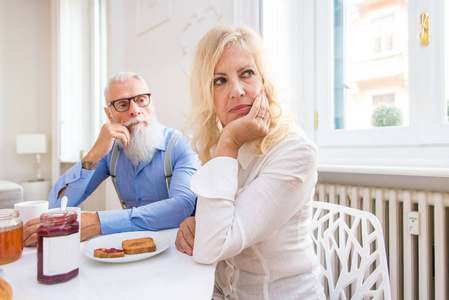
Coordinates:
[58,246]
[11,233]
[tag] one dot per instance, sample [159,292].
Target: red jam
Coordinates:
[58,245]
[110,250]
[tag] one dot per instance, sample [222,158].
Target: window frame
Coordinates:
[424,143]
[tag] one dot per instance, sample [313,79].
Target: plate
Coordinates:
[115,241]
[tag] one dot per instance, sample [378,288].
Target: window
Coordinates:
[382,29]
[81,70]
[386,98]
[349,57]
[373,55]
[364,63]
[446,44]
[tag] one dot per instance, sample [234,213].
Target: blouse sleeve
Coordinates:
[229,220]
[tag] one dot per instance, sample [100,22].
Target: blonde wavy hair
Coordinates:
[202,120]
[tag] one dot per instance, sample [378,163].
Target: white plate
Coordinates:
[115,241]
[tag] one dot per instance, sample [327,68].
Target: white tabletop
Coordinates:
[168,275]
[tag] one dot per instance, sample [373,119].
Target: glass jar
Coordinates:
[58,246]
[11,236]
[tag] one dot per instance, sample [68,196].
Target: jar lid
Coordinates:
[8,213]
[8,217]
[58,217]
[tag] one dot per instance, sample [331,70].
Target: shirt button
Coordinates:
[139,199]
[73,176]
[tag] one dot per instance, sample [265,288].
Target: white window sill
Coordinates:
[384,170]
[418,161]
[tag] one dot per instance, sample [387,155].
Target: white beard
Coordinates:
[144,139]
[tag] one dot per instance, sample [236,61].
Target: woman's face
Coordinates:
[236,84]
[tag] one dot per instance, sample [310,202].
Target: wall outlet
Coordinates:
[413,222]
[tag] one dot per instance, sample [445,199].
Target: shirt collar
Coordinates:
[161,144]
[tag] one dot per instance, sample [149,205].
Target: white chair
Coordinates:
[10,194]
[350,246]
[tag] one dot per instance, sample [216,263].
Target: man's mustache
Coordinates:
[135,120]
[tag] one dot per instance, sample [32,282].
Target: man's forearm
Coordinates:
[85,164]
[89,165]
[74,184]
[90,161]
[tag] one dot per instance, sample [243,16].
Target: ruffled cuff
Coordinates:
[216,179]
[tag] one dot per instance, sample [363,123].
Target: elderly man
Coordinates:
[140,178]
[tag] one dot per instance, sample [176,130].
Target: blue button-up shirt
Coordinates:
[142,188]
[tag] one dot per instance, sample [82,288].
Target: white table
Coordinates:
[169,275]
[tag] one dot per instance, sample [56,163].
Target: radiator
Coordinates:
[417,260]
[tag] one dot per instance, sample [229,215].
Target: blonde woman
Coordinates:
[257,180]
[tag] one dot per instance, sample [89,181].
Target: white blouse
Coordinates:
[253,218]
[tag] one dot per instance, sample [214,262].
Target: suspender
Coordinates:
[112,171]
[167,165]
[167,161]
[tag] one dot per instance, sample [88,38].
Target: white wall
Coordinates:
[25,83]
[162,54]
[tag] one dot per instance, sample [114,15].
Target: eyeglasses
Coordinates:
[122,105]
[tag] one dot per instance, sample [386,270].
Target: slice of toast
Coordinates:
[109,253]
[5,290]
[140,245]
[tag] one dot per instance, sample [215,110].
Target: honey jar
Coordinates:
[11,233]
[58,246]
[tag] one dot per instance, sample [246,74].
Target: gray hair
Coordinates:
[122,77]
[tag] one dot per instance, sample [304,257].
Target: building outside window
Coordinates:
[383,28]
[385,98]
[365,61]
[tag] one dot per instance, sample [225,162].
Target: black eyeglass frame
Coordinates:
[129,102]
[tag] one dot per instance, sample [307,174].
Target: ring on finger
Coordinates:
[260,116]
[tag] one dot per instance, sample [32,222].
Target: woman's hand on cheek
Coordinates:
[254,125]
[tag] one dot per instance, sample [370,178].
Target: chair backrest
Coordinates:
[351,249]
[10,194]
